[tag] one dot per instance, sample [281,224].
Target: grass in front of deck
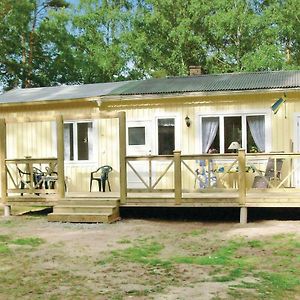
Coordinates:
[263,269]
[150,266]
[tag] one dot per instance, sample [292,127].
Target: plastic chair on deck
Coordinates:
[265,179]
[25,178]
[101,176]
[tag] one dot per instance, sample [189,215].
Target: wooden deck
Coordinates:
[196,199]
[104,207]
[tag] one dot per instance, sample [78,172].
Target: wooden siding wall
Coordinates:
[37,139]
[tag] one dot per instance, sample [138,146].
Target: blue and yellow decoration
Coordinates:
[275,107]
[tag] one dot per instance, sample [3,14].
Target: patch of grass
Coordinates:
[124,241]
[4,238]
[7,223]
[30,241]
[247,285]
[233,274]
[278,282]
[223,256]
[141,254]
[255,244]
[4,249]
[144,253]
[295,244]
[196,232]
[283,236]
[117,297]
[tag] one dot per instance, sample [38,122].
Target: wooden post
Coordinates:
[3,172]
[177,177]
[242,176]
[150,174]
[243,215]
[122,156]
[7,210]
[60,156]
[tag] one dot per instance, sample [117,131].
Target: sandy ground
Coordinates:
[90,241]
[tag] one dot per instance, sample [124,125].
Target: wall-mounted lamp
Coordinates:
[187,121]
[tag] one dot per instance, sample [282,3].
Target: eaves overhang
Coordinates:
[152,96]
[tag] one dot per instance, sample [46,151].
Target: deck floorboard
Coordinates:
[265,198]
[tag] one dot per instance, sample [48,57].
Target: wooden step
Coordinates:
[85,209]
[83,217]
[88,201]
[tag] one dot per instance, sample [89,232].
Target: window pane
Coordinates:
[255,133]
[136,135]
[83,140]
[232,131]
[166,136]
[210,135]
[69,141]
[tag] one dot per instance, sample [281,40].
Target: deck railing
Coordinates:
[144,169]
[238,173]
[32,176]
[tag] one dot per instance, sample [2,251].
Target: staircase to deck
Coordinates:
[86,210]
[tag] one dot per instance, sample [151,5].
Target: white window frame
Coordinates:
[244,116]
[94,141]
[177,130]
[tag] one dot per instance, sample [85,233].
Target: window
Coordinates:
[166,136]
[78,141]
[136,136]
[219,132]
[232,131]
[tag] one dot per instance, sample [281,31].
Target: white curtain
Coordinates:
[210,127]
[67,140]
[257,129]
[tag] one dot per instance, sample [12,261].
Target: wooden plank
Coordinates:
[91,115]
[177,177]
[67,116]
[3,154]
[60,156]
[122,156]
[242,176]
[31,160]
[153,157]
[139,176]
[226,156]
[163,174]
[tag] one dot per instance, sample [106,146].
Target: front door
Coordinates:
[138,143]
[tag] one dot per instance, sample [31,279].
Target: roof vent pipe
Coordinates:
[195,70]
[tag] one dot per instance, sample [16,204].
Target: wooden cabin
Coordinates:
[227,140]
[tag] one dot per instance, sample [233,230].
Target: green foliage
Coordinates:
[51,42]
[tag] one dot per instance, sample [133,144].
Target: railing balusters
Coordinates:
[30,186]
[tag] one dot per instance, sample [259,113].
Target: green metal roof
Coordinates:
[62,92]
[212,83]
